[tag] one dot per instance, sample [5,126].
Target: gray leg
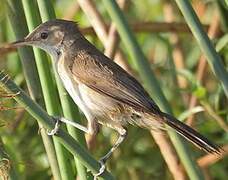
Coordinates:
[64,120]
[122,136]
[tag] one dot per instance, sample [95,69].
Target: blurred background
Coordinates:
[190,88]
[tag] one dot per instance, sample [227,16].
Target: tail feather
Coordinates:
[191,135]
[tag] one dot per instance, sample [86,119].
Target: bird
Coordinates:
[103,91]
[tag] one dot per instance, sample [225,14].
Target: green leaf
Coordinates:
[222,43]
[190,112]
[200,92]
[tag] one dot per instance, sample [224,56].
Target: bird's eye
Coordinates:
[44,35]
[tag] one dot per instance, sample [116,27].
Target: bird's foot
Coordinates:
[102,168]
[56,128]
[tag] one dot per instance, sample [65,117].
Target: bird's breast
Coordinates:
[95,102]
[70,84]
[98,103]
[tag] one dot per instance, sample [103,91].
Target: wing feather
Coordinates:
[104,76]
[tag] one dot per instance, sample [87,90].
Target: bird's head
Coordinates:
[52,36]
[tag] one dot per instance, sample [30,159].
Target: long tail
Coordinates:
[191,135]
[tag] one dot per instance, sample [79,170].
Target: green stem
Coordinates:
[17,19]
[150,81]
[6,158]
[223,14]
[69,109]
[204,42]
[48,88]
[40,115]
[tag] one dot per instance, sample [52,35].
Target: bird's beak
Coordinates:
[6,48]
[19,43]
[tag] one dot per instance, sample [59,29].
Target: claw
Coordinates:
[102,161]
[101,170]
[56,128]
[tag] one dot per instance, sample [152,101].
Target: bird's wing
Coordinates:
[104,76]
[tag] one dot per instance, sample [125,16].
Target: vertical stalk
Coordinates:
[223,14]
[17,19]
[7,169]
[204,42]
[48,88]
[69,109]
[150,81]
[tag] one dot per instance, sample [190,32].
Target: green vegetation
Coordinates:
[162,43]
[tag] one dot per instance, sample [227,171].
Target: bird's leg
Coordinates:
[66,121]
[122,135]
